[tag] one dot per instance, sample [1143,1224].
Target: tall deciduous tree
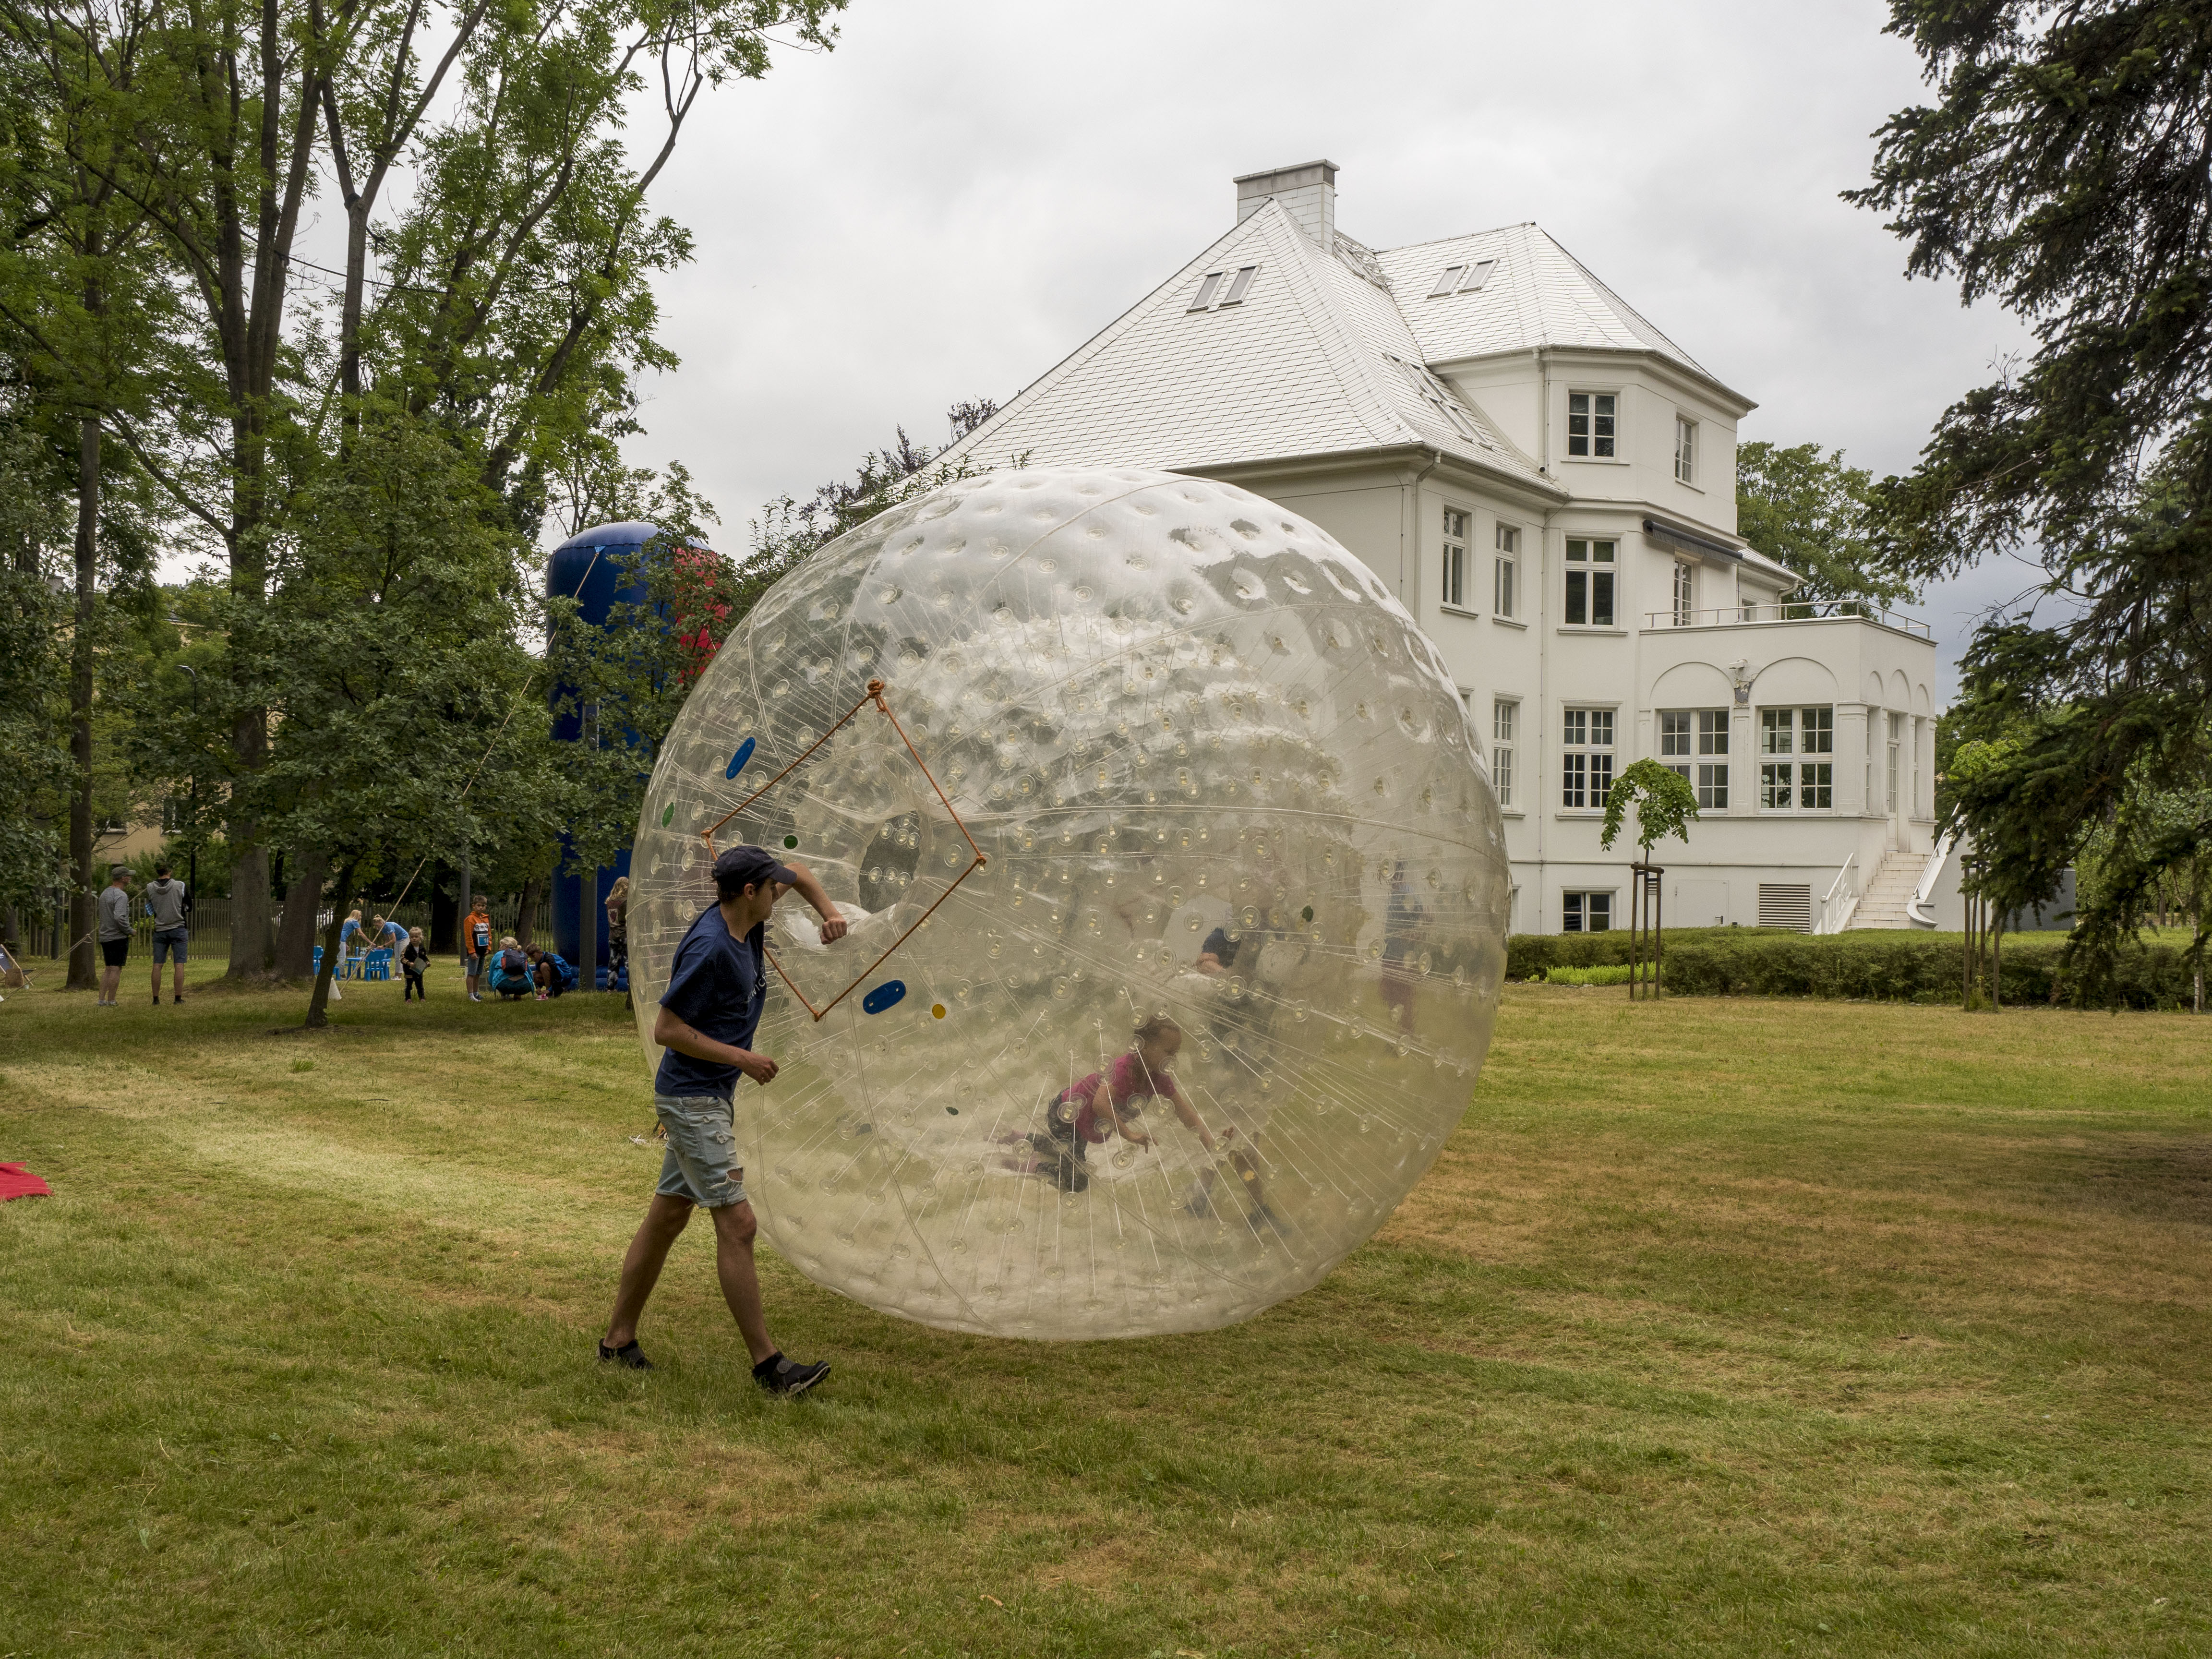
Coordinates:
[1808,511]
[2061,169]
[80,307]
[500,298]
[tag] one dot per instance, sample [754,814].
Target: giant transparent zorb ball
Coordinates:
[1165,713]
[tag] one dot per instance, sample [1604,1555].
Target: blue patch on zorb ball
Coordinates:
[882,996]
[737,761]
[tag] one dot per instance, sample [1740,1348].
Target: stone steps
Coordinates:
[1883,904]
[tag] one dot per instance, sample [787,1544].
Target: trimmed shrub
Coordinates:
[1529,956]
[1876,965]
[1606,974]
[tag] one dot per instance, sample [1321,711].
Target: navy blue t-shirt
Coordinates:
[715,985]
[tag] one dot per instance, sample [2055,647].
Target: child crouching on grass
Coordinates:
[1104,1103]
[413,959]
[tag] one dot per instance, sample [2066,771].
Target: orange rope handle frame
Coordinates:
[874,694]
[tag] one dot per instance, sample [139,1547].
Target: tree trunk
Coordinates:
[341,896]
[525,908]
[84,968]
[296,941]
[445,919]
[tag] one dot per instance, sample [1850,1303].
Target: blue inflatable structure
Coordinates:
[596,569]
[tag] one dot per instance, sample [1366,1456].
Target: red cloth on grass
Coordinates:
[16,1181]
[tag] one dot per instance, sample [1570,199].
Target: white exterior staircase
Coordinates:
[1890,891]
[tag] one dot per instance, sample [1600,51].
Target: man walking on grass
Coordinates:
[114,933]
[166,901]
[708,1015]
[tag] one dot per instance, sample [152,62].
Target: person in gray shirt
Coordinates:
[114,933]
[167,901]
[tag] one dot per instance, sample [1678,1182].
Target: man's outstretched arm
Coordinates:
[810,888]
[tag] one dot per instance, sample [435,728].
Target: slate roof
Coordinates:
[1317,359]
[1328,354]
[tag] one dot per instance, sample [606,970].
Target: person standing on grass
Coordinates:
[476,945]
[114,933]
[618,937]
[414,959]
[709,1013]
[167,901]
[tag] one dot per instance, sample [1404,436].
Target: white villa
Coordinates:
[1548,483]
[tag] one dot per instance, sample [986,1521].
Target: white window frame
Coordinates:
[1586,757]
[1505,572]
[1686,450]
[1685,591]
[1796,758]
[1580,906]
[1208,287]
[1504,739]
[1596,580]
[1241,286]
[1601,416]
[1452,556]
[1693,744]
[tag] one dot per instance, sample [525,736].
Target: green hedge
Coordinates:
[1878,965]
[1605,973]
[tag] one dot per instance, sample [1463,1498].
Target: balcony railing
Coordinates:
[1789,611]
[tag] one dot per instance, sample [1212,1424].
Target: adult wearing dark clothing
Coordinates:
[709,1014]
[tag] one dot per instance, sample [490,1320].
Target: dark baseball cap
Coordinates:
[750,865]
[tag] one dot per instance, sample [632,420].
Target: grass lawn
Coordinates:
[1722,1326]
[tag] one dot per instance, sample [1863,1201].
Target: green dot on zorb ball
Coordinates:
[791,840]
[668,815]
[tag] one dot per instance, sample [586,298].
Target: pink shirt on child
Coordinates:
[1131,1081]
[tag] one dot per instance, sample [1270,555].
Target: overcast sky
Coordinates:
[964,191]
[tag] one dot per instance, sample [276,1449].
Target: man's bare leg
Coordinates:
[180,988]
[734,1228]
[110,983]
[666,1218]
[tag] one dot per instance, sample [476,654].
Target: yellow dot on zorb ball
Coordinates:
[1224,660]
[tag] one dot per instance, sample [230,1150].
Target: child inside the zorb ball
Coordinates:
[1108,1102]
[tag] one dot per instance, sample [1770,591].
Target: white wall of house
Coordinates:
[1299,380]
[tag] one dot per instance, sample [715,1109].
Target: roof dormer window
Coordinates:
[1239,283]
[1467,278]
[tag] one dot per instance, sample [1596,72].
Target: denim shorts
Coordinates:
[167,940]
[702,1164]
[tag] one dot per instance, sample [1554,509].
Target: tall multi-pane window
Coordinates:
[1585,912]
[1589,568]
[1504,599]
[1454,556]
[1505,719]
[1686,450]
[1686,590]
[1586,757]
[1712,779]
[1805,782]
[1590,424]
[1694,744]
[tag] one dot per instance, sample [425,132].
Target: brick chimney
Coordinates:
[1307,192]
